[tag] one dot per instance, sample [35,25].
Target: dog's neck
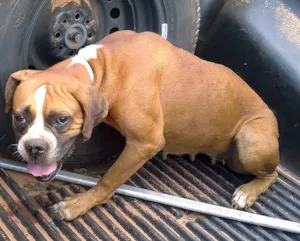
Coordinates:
[91,57]
[79,59]
[87,66]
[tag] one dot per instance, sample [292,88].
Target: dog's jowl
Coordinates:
[161,98]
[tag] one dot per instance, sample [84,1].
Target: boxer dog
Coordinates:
[159,97]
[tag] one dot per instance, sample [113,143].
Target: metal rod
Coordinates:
[170,200]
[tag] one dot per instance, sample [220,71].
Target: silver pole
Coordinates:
[170,200]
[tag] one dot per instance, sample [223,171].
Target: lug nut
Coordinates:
[78,38]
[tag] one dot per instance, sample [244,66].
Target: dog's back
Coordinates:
[209,103]
[204,104]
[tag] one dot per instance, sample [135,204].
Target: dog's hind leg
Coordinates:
[257,150]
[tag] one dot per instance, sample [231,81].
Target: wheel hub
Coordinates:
[72,30]
[59,34]
[75,36]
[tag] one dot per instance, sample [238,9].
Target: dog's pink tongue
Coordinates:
[39,170]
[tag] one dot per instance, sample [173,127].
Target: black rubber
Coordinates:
[183,18]
[18,20]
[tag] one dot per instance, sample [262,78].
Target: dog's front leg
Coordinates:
[131,159]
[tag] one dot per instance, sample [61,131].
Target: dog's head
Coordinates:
[49,111]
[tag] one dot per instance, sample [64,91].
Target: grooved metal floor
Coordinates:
[25,213]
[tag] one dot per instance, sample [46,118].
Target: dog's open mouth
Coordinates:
[44,172]
[47,172]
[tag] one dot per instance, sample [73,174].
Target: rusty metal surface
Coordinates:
[25,213]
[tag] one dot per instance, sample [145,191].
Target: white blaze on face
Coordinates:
[38,130]
[84,55]
[38,125]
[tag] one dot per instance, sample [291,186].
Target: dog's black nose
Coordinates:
[36,147]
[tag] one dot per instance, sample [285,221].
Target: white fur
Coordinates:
[84,55]
[38,130]
[80,60]
[90,51]
[38,125]
[62,211]
[239,199]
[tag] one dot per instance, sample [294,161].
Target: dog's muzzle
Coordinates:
[37,150]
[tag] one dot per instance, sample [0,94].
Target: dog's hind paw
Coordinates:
[241,199]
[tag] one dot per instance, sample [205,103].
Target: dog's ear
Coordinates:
[13,81]
[94,106]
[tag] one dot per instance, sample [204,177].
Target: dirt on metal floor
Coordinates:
[25,202]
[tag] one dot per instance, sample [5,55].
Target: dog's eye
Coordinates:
[20,119]
[62,120]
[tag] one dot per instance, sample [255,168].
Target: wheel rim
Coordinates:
[56,34]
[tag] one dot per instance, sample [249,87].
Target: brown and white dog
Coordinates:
[159,97]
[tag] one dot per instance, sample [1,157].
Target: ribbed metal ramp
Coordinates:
[25,213]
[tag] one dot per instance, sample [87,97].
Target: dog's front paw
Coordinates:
[243,198]
[71,207]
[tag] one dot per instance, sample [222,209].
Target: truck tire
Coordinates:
[36,34]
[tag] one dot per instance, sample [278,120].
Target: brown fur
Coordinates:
[162,98]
